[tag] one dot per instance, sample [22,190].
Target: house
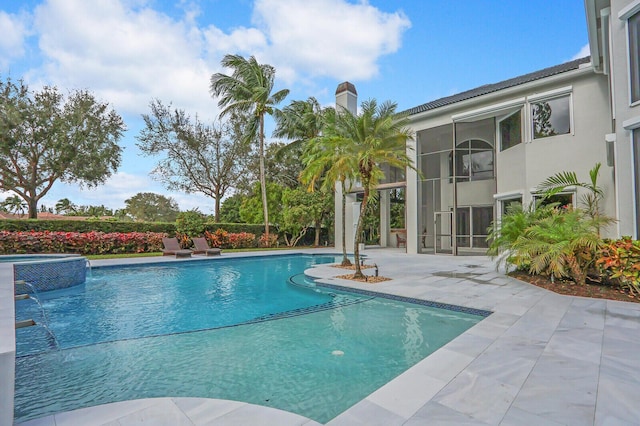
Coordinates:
[478,151]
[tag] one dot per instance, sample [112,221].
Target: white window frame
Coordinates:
[506,196]
[547,96]
[625,14]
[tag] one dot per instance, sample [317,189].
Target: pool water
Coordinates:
[232,330]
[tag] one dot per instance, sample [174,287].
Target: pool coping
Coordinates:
[539,358]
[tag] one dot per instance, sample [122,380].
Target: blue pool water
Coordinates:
[230,329]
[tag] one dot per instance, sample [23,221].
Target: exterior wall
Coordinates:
[521,168]
[624,114]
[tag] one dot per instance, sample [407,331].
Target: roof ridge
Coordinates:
[501,85]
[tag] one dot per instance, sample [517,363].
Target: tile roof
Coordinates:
[490,88]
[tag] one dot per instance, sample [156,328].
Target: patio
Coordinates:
[540,358]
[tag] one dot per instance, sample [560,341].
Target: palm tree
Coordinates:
[15,205]
[248,91]
[65,206]
[591,200]
[302,122]
[378,135]
[326,162]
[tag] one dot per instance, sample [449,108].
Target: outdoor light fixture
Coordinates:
[376,266]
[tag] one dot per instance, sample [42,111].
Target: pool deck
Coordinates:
[539,359]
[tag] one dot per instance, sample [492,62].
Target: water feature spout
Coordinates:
[25,323]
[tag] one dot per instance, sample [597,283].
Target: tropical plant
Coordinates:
[621,260]
[14,204]
[591,200]
[45,138]
[324,162]
[150,207]
[248,90]
[563,244]
[65,206]
[503,234]
[376,136]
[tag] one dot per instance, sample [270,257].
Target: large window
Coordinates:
[473,160]
[551,117]
[636,171]
[472,224]
[511,131]
[634,56]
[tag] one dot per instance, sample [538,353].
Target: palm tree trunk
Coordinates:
[356,249]
[263,183]
[345,259]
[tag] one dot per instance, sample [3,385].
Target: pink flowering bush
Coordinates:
[242,240]
[79,242]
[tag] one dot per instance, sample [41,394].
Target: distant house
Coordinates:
[480,150]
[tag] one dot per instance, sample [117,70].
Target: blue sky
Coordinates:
[128,52]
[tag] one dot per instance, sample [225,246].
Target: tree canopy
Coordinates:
[209,159]
[45,138]
[150,207]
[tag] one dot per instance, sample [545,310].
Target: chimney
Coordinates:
[347,97]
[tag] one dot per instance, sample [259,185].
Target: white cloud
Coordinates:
[12,42]
[331,38]
[126,56]
[584,51]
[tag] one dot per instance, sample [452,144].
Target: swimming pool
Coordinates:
[232,329]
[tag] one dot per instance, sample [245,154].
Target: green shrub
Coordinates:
[190,223]
[24,225]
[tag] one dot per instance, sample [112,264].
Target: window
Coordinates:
[511,131]
[634,56]
[563,199]
[636,171]
[473,160]
[551,117]
[507,204]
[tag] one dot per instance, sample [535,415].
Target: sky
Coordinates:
[128,52]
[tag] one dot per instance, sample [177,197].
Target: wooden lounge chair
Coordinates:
[172,247]
[202,247]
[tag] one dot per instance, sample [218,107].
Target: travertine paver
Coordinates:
[540,358]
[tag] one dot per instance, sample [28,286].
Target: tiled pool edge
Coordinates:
[456,308]
[7,344]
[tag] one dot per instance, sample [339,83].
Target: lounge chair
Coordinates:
[202,247]
[172,247]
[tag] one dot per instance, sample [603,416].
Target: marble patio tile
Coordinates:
[202,410]
[517,417]
[469,344]
[561,389]
[578,343]
[518,346]
[617,401]
[407,393]
[620,316]
[101,414]
[434,413]
[478,396]
[366,413]
[584,313]
[250,414]
[165,413]
[502,367]
[443,364]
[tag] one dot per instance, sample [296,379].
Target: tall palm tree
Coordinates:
[376,136]
[326,162]
[302,122]
[248,90]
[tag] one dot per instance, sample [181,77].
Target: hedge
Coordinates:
[77,242]
[23,225]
